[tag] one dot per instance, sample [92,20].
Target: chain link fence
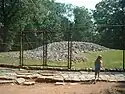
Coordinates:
[45,49]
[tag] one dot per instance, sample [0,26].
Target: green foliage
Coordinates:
[83,24]
[39,15]
[47,15]
[109,15]
[28,15]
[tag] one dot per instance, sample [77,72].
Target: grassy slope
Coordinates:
[111,59]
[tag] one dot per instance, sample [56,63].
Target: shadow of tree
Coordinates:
[120,87]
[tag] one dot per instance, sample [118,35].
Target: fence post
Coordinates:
[20,63]
[68,52]
[22,47]
[71,27]
[70,47]
[123,59]
[44,48]
[122,3]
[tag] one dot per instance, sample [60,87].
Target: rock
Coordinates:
[20,80]
[7,78]
[30,76]
[12,84]
[29,83]
[23,73]
[6,81]
[58,79]
[60,83]
[10,74]
[73,83]
[45,79]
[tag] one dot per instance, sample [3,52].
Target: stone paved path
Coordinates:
[56,76]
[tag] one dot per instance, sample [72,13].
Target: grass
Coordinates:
[111,59]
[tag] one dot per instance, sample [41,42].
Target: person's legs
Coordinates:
[95,73]
[98,74]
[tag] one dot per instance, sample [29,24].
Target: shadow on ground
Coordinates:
[120,88]
[117,89]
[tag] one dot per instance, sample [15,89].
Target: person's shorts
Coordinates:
[97,69]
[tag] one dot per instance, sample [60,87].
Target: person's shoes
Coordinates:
[94,82]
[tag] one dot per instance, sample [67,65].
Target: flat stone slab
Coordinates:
[21,73]
[58,78]
[28,76]
[60,83]
[6,81]
[4,77]
[29,83]
[20,80]
[77,76]
[10,74]
[45,79]
[73,83]
[63,76]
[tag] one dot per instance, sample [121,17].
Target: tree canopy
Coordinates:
[109,18]
[104,25]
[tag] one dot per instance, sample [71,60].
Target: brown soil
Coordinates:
[44,88]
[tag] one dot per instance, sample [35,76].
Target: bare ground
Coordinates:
[44,88]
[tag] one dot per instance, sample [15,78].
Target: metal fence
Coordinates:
[34,50]
[38,55]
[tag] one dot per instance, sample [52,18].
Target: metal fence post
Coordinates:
[20,51]
[44,48]
[21,48]
[71,27]
[70,51]
[69,47]
[123,59]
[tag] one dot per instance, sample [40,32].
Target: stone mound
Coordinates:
[58,51]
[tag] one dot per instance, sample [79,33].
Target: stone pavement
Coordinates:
[14,75]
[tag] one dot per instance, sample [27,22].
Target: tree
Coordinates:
[15,16]
[83,24]
[109,15]
[29,15]
[55,19]
[7,11]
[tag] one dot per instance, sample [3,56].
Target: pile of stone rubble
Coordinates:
[58,51]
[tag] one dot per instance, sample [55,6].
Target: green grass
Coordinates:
[5,59]
[111,59]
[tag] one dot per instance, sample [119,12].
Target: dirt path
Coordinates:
[43,88]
